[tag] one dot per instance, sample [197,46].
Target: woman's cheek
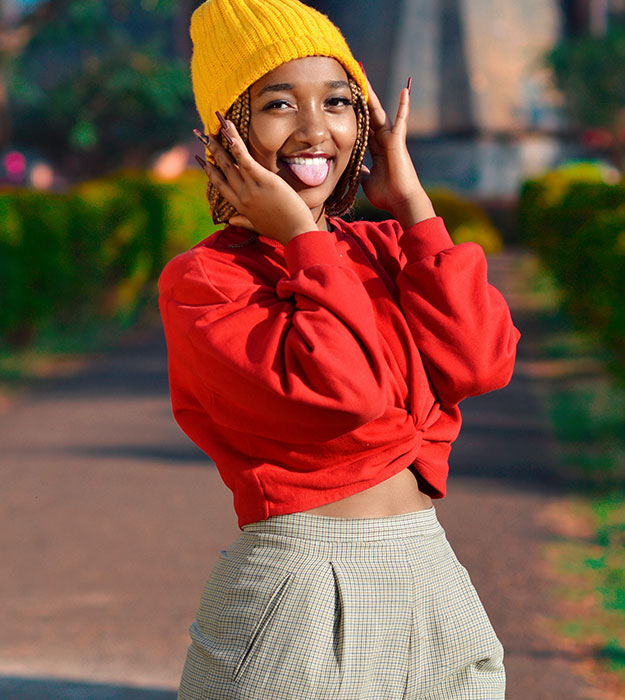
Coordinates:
[346,134]
[264,139]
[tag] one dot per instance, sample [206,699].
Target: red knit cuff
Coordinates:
[426,238]
[311,248]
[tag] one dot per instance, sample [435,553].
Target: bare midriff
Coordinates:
[398,494]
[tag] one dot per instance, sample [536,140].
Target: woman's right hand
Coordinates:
[271,205]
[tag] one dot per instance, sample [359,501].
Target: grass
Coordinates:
[586,404]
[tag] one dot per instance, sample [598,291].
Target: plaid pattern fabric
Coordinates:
[309,607]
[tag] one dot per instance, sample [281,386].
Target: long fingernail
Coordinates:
[362,68]
[201,161]
[229,138]
[224,123]
[201,136]
[409,86]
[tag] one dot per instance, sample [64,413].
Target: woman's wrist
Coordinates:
[413,210]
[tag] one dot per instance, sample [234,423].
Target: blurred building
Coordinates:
[484,114]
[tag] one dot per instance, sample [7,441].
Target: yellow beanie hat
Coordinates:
[236,42]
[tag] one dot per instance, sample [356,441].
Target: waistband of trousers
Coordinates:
[308,526]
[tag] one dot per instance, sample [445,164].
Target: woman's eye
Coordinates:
[277,104]
[339,101]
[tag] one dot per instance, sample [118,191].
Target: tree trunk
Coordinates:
[575,15]
[5,129]
[16,31]
[5,116]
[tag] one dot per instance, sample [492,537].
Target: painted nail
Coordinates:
[201,136]
[229,138]
[223,122]
[409,86]
[362,68]
[201,162]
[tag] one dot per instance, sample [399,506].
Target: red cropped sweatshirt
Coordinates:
[312,371]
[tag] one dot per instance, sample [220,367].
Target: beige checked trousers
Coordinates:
[309,607]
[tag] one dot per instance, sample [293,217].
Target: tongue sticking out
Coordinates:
[312,173]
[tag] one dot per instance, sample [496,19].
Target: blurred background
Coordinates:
[112,519]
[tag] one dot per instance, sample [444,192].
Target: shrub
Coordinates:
[36,261]
[576,222]
[188,217]
[96,251]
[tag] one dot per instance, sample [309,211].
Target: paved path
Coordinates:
[112,521]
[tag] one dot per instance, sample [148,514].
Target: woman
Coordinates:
[320,364]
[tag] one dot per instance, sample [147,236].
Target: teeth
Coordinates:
[306,161]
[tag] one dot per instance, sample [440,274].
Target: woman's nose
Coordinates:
[312,126]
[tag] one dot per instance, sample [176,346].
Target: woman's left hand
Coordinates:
[392,183]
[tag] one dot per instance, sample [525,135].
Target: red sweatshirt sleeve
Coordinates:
[300,359]
[461,323]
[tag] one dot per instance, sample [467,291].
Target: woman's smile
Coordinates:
[303,126]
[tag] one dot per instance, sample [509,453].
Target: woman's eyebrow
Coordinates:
[283,87]
[278,87]
[334,84]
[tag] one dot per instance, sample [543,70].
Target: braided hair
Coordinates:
[343,195]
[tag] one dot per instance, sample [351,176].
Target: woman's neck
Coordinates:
[321,220]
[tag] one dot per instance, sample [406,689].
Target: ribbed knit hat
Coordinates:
[236,42]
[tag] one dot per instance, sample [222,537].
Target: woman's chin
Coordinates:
[315,197]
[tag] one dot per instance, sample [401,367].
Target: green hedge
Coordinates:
[575,220]
[96,251]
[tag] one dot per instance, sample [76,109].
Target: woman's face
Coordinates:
[303,126]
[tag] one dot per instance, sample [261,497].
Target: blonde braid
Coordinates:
[239,115]
[344,194]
